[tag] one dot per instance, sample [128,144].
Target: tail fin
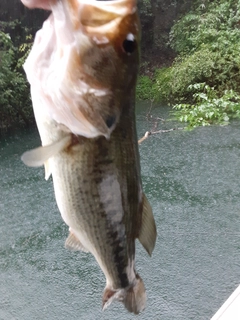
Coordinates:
[133,297]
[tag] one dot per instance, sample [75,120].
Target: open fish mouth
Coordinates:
[102,15]
[101,21]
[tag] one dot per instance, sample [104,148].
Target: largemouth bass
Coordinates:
[82,70]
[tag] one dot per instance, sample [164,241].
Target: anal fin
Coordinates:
[148,232]
[72,243]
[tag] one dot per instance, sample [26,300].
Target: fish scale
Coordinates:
[76,186]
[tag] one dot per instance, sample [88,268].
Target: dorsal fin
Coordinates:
[148,232]
[72,243]
[37,157]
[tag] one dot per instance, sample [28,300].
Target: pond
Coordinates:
[192,180]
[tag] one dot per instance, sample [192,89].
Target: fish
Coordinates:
[83,71]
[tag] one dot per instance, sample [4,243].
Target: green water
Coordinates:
[192,180]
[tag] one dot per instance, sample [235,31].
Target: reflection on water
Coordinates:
[191,180]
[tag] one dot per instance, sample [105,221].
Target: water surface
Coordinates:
[192,181]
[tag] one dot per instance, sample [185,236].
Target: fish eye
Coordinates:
[129,44]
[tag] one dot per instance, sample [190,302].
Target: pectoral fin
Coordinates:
[148,232]
[39,156]
[72,243]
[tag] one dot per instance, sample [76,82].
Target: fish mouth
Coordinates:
[98,17]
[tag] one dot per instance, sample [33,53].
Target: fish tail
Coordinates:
[133,297]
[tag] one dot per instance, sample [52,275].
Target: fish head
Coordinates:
[108,37]
[105,58]
[84,63]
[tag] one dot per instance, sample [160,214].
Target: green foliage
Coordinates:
[145,7]
[15,104]
[145,89]
[207,108]
[172,82]
[215,24]
[207,41]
